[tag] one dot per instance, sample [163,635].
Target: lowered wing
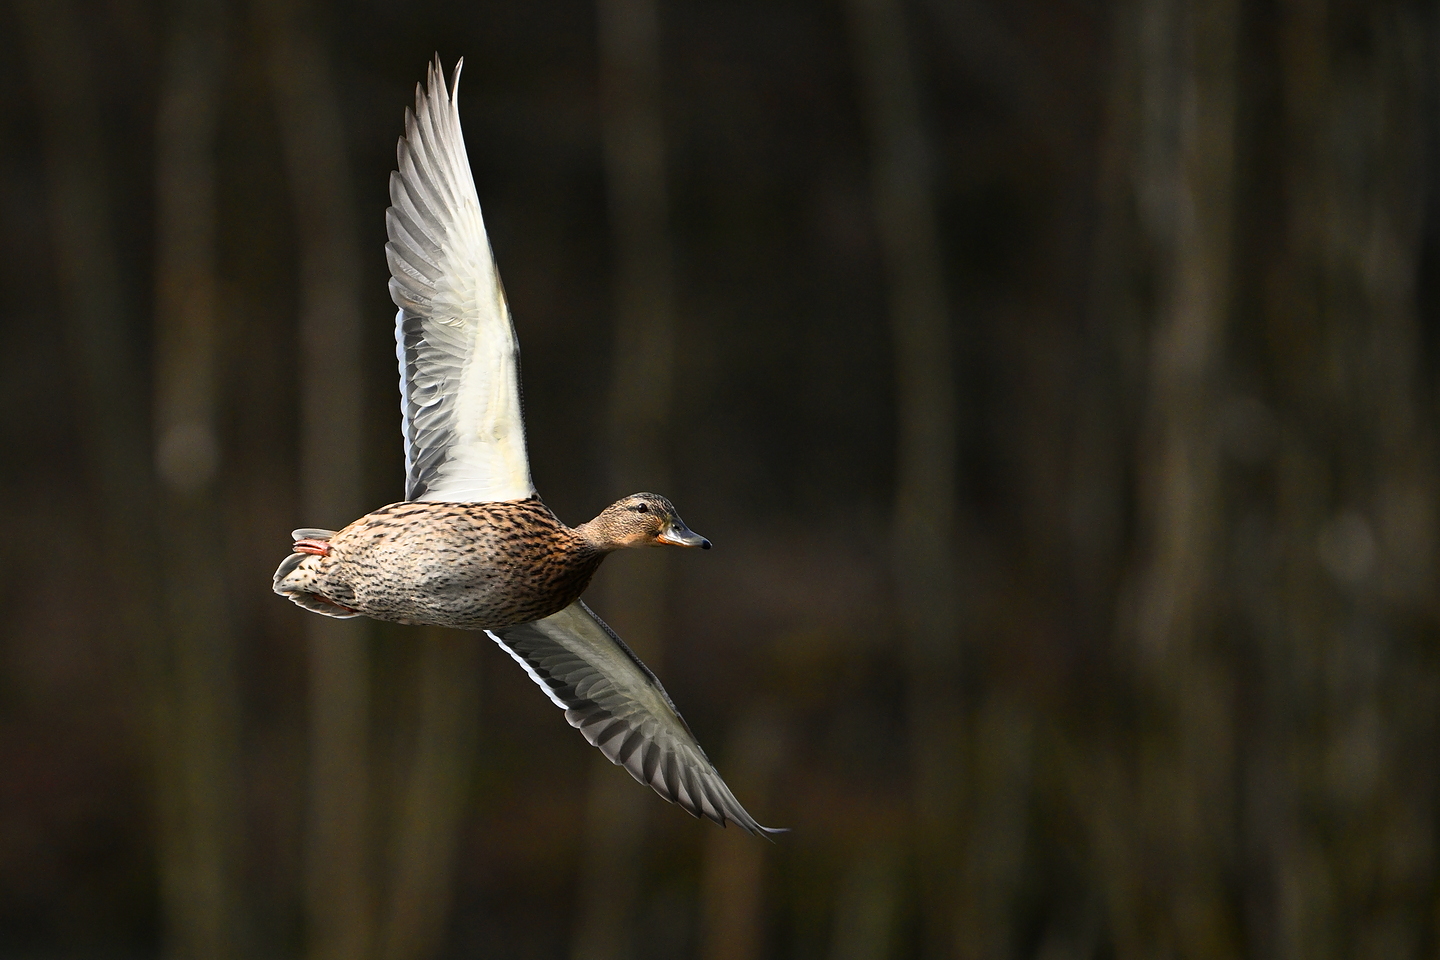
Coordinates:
[459,359]
[620,707]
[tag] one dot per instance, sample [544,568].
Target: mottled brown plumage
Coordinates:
[474,566]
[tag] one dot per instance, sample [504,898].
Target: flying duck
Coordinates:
[472,545]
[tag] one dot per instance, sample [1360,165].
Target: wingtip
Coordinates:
[435,79]
[756,829]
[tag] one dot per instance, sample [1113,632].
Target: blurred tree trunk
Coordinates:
[204,698]
[435,785]
[924,572]
[732,885]
[638,422]
[339,894]
[1346,540]
[1191,776]
[100,343]
[1283,535]
[868,904]
[100,346]
[1181,116]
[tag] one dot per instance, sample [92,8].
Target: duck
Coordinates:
[472,545]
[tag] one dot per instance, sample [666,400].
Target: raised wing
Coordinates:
[459,360]
[620,707]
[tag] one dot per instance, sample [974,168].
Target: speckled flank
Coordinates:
[466,565]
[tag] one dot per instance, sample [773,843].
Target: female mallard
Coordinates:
[473,546]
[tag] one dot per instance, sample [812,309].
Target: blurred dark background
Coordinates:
[1056,381]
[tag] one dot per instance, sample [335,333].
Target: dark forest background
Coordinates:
[1057,381]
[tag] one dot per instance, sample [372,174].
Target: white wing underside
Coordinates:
[459,360]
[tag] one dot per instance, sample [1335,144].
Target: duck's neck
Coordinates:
[597,535]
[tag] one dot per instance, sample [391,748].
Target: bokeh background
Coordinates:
[1057,381]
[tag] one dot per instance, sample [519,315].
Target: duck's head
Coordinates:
[640,520]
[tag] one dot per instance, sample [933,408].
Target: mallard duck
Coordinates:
[473,545]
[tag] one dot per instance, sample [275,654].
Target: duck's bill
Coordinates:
[679,535]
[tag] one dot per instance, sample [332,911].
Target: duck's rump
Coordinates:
[466,565]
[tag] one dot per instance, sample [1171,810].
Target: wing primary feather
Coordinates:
[666,771]
[609,732]
[649,763]
[454,78]
[682,794]
[708,806]
[633,742]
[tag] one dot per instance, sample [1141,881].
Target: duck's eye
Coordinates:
[643,508]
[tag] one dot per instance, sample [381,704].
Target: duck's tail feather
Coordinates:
[295,579]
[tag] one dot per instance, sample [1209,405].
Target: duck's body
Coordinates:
[472,545]
[473,566]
